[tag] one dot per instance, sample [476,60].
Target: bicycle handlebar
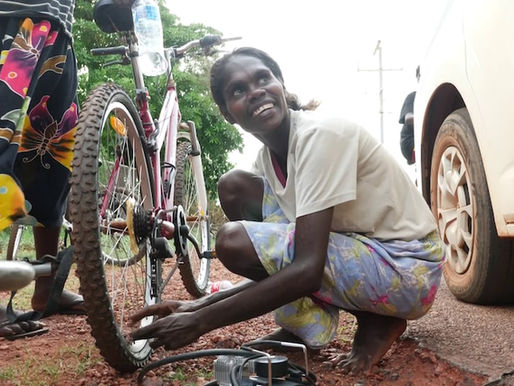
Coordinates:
[205,43]
[120,50]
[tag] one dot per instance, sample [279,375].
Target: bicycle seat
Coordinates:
[114,15]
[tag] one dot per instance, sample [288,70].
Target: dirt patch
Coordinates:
[67,356]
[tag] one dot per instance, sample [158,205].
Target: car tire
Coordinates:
[479,267]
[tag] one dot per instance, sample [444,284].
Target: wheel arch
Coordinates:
[445,100]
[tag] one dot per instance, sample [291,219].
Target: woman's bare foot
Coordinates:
[375,335]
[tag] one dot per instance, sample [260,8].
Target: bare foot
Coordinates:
[375,335]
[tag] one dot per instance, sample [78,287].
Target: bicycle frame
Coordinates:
[165,133]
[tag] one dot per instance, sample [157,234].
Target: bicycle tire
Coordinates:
[111,292]
[14,241]
[194,271]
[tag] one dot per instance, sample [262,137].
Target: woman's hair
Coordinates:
[217,77]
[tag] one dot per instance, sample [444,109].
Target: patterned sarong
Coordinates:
[38,118]
[393,278]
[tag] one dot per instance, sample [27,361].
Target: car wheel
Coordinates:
[478,268]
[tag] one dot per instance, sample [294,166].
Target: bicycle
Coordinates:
[126,203]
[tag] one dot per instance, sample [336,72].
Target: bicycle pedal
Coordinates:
[209,255]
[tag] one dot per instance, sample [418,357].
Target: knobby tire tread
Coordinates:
[86,233]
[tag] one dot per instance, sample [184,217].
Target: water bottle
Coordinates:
[148,29]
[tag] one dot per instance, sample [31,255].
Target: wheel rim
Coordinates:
[455,209]
[126,274]
[126,184]
[198,227]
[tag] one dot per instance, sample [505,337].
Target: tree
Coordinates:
[216,136]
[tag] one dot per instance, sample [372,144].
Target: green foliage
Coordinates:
[216,136]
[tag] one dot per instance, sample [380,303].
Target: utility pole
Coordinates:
[380,70]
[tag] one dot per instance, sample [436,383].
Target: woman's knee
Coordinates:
[240,193]
[228,240]
[232,183]
[233,245]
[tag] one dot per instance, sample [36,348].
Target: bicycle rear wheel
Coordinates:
[110,167]
[190,192]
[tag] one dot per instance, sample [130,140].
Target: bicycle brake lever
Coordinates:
[112,63]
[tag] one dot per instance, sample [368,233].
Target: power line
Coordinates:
[380,70]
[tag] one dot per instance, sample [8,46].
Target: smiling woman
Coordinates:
[309,227]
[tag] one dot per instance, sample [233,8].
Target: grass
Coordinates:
[187,379]
[73,358]
[23,296]
[43,370]
[26,248]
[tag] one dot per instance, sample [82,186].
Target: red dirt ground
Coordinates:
[67,356]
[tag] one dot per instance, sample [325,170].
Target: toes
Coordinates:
[335,361]
[351,364]
[20,328]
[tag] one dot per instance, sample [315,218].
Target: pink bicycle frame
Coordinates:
[169,119]
[166,130]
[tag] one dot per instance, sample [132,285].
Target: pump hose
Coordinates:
[192,355]
[243,352]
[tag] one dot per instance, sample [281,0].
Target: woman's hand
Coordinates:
[172,332]
[161,310]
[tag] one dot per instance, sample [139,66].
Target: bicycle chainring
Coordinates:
[181,231]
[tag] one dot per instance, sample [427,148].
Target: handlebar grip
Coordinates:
[210,40]
[120,50]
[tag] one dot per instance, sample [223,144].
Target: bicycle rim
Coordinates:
[110,167]
[193,270]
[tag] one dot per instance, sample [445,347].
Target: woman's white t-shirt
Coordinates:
[333,162]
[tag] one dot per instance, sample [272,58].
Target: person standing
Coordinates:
[38,118]
[407,133]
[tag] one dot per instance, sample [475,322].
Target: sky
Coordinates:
[327,50]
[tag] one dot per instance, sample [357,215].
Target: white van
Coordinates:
[464,144]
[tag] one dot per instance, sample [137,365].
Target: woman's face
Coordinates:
[254,97]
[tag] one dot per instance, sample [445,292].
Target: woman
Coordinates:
[38,117]
[328,221]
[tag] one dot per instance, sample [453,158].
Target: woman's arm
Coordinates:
[168,307]
[301,278]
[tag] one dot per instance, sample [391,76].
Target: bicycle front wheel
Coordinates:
[190,192]
[111,167]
